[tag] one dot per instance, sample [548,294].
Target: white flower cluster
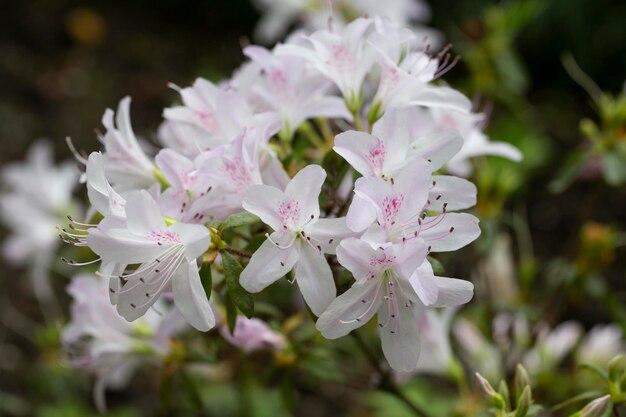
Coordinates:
[376,93]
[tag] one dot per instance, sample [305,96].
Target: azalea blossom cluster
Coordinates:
[367,92]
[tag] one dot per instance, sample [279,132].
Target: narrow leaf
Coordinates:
[238,219]
[206,279]
[240,297]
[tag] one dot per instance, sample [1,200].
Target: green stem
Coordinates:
[387,383]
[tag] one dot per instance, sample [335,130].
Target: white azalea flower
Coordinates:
[469,125]
[400,209]
[386,284]
[127,165]
[299,240]
[253,334]
[213,115]
[293,91]
[601,344]
[344,56]
[39,198]
[106,345]
[167,260]
[552,346]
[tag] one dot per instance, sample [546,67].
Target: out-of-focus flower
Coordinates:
[39,198]
[342,55]
[100,341]
[480,354]
[469,125]
[167,260]
[299,240]
[292,90]
[212,115]
[278,15]
[387,285]
[601,344]
[253,334]
[551,347]
[436,355]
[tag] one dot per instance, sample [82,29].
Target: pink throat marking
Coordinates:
[384,260]
[208,120]
[238,172]
[376,156]
[162,237]
[391,207]
[289,212]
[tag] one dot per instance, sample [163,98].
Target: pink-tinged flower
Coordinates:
[212,115]
[253,334]
[387,284]
[39,195]
[102,196]
[392,145]
[551,347]
[127,166]
[299,240]
[469,125]
[166,256]
[292,90]
[188,187]
[344,56]
[100,341]
[601,344]
[415,205]
[478,352]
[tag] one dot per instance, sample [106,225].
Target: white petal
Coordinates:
[361,301]
[441,97]
[195,237]
[263,201]
[441,237]
[191,299]
[305,188]
[355,147]
[399,333]
[354,255]
[122,246]
[423,283]
[453,292]
[267,265]
[329,232]
[457,193]
[315,279]
[143,215]
[361,214]
[173,166]
[393,129]
[438,148]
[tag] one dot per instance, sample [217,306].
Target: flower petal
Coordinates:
[190,298]
[355,148]
[360,302]
[399,333]
[457,193]
[305,188]
[329,232]
[438,148]
[263,201]
[268,264]
[315,279]
[450,232]
[361,214]
[143,215]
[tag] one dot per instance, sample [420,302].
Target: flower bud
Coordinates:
[597,407]
[523,403]
[496,399]
[521,380]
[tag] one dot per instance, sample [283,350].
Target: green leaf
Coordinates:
[240,297]
[231,314]
[238,219]
[191,389]
[206,279]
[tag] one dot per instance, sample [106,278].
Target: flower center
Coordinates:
[391,207]
[161,237]
[377,155]
[289,212]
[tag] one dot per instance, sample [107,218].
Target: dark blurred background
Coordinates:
[62,62]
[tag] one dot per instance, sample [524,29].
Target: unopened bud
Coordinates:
[617,367]
[596,408]
[485,386]
[521,380]
[523,402]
